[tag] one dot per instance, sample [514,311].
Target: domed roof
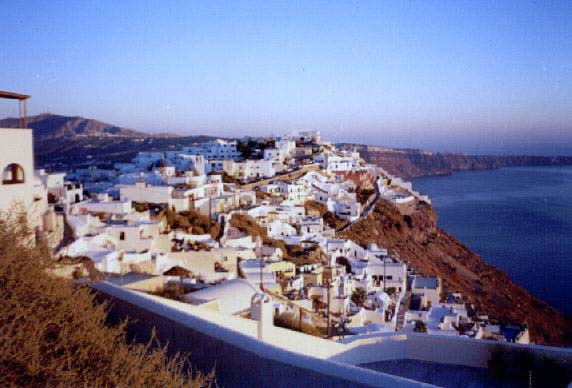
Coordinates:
[162,163]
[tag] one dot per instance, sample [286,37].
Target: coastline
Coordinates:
[515,225]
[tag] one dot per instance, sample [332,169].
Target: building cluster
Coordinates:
[241,235]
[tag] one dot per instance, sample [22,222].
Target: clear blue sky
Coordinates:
[443,75]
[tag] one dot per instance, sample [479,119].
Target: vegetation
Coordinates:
[363,194]
[420,327]
[249,226]
[248,147]
[316,208]
[292,322]
[144,206]
[391,291]
[52,333]
[192,221]
[227,178]
[302,256]
[171,291]
[333,221]
[294,253]
[359,296]
[341,260]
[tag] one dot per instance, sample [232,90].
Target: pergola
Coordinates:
[22,111]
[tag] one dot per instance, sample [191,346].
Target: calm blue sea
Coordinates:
[518,219]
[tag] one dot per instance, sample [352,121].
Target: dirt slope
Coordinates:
[432,251]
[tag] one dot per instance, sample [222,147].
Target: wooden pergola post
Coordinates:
[22,108]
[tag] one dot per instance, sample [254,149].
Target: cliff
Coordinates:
[432,251]
[410,163]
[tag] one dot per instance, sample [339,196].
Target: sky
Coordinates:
[469,76]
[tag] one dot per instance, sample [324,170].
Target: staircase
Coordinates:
[403,307]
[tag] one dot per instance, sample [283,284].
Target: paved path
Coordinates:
[368,208]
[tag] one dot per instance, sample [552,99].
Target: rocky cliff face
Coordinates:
[410,163]
[432,251]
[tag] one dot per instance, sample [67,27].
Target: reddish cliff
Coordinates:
[409,163]
[432,251]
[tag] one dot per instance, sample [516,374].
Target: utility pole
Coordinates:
[210,214]
[384,274]
[261,262]
[328,310]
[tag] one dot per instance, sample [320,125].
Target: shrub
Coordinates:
[249,226]
[52,333]
[315,208]
[420,327]
[292,322]
[359,296]
[197,222]
[171,291]
[363,194]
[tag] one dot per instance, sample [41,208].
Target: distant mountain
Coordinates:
[48,126]
[63,142]
[411,163]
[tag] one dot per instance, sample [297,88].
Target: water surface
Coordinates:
[518,219]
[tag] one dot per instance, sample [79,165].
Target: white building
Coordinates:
[17,166]
[306,136]
[142,192]
[20,186]
[215,150]
[345,161]
[428,289]
[295,192]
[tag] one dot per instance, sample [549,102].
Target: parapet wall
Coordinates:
[439,349]
[283,177]
[238,359]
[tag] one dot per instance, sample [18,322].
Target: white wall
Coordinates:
[16,146]
[140,192]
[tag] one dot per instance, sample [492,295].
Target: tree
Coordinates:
[54,334]
[359,296]
[420,327]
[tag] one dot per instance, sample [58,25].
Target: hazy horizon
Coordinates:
[473,77]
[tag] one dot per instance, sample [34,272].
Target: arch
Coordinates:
[13,174]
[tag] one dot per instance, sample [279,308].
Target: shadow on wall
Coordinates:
[233,365]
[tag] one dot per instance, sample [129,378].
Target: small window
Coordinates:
[13,174]
[122,236]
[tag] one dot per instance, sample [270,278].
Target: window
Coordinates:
[122,236]
[13,174]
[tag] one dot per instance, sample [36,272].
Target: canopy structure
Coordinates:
[22,109]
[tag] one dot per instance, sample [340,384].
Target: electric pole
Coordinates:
[210,214]
[328,310]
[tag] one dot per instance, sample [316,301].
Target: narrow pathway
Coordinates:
[368,208]
[403,307]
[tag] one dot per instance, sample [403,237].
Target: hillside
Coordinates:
[411,163]
[432,251]
[63,142]
[49,126]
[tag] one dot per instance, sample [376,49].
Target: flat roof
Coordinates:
[13,96]
[425,282]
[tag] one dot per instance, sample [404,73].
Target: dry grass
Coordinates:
[52,333]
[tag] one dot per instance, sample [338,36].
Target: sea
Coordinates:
[518,219]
